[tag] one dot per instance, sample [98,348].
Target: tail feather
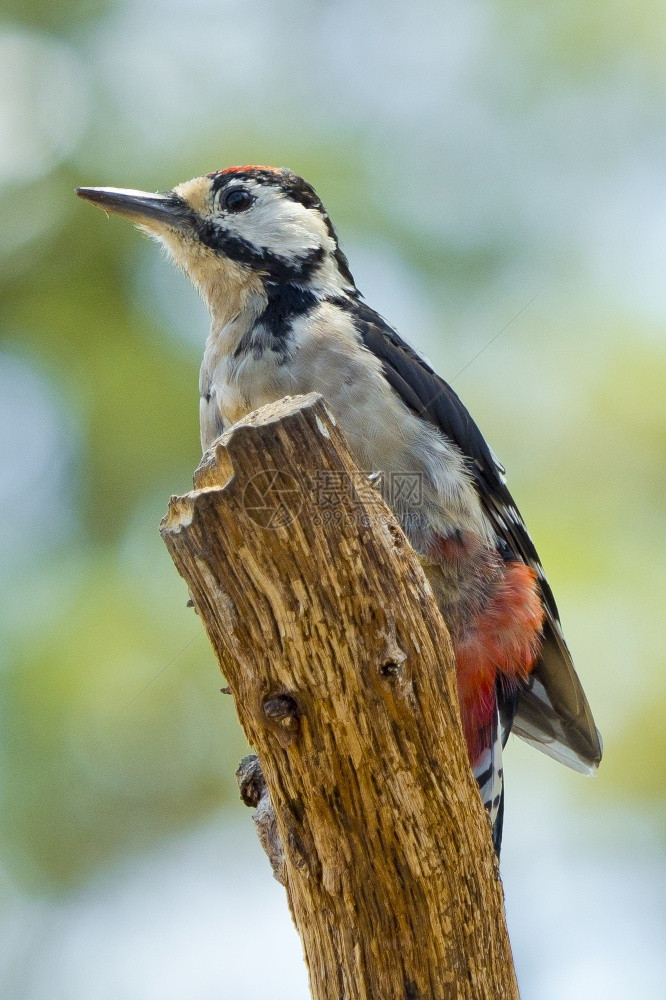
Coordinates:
[489,775]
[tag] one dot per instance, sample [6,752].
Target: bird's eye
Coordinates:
[237,200]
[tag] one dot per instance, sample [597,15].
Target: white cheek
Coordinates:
[281,226]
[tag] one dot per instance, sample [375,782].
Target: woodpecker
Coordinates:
[287,318]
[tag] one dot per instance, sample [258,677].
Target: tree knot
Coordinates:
[282,715]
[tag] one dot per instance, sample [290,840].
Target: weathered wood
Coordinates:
[342,674]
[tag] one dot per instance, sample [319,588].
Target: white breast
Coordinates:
[382,433]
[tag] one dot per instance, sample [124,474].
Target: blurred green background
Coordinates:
[495,171]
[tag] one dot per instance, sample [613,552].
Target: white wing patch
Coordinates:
[501,471]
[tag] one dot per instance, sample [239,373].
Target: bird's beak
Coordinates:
[141,206]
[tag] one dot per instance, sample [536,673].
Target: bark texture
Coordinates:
[342,673]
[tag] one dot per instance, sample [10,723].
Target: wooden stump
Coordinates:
[342,673]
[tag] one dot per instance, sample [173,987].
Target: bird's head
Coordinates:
[239,228]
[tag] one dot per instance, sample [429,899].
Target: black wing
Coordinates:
[551,711]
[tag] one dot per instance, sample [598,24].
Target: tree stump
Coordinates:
[342,674]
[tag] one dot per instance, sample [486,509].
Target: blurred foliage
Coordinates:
[590,38]
[638,768]
[114,727]
[113,731]
[62,16]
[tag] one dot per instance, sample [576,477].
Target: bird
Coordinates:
[287,318]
